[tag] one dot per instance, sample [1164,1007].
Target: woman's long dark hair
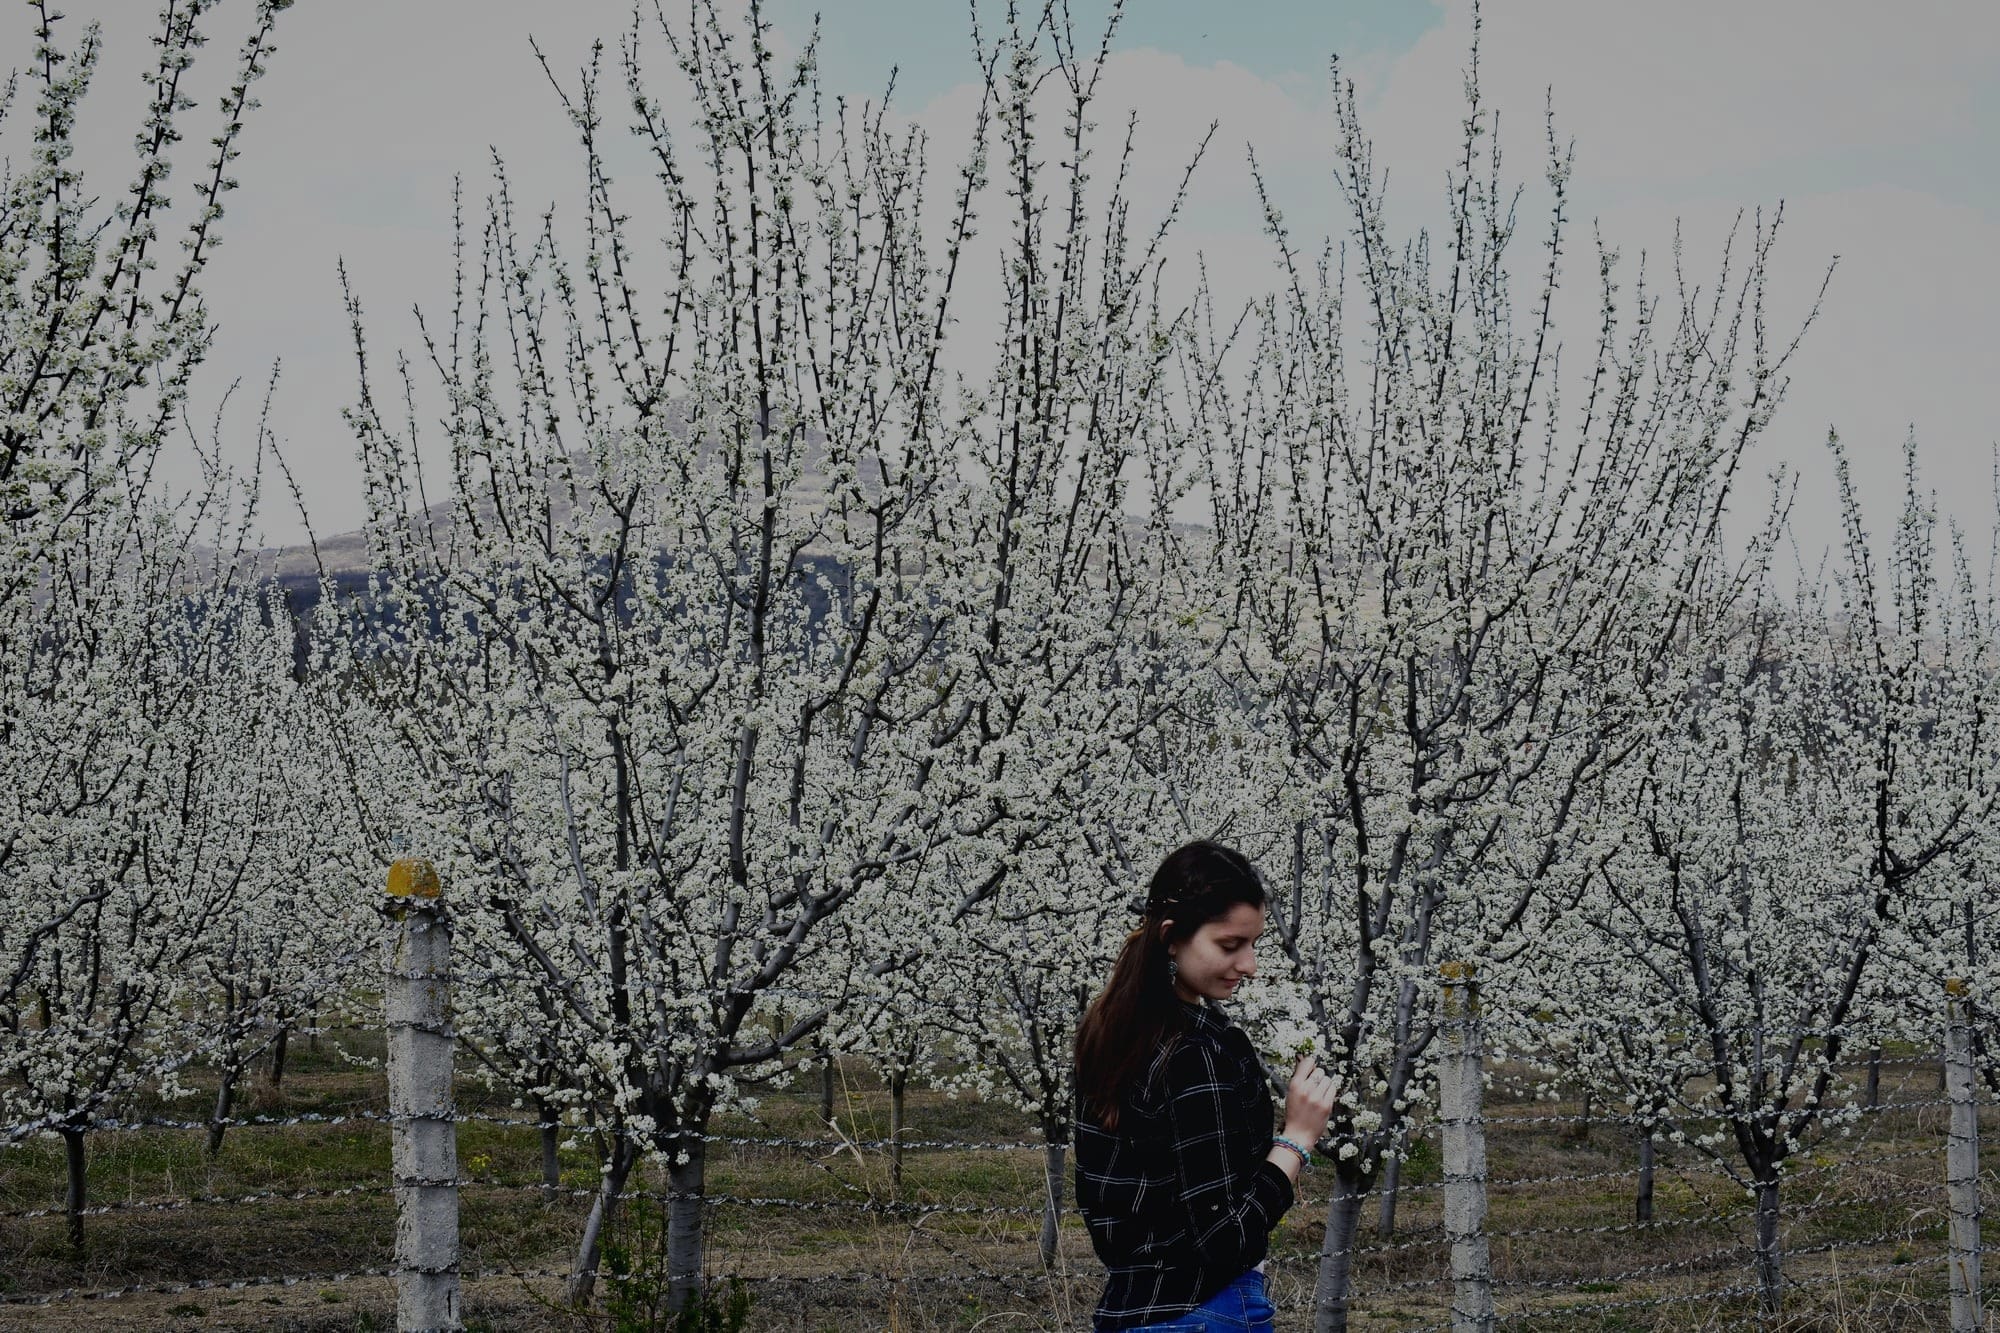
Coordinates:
[1137,1010]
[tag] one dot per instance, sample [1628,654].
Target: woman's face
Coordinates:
[1219,955]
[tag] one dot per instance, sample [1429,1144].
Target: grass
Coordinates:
[1864,1227]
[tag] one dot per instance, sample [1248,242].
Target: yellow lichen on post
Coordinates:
[414,877]
[1459,1000]
[1956,988]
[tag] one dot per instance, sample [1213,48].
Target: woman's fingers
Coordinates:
[1312,1094]
[1309,1078]
[1310,1099]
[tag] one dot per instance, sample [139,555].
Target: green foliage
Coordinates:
[637,1295]
[1424,1165]
[721,1308]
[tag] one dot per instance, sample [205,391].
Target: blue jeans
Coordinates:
[1239,1306]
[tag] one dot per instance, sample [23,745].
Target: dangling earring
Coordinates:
[1173,970]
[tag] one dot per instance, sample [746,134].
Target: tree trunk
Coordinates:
[225,1094]
[825,1085]
[551,1140]
[610,1187]
[1582,1131]
[899,1082]
[74,1196]
[688,1182]
[278,1046]
[1643,1206]
[1336,1255]
[1392,1176]
[1770,1276]
[1052,1183]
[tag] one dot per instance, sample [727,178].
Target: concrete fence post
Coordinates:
[1461,1115]
[1962,1160]
[422,1127]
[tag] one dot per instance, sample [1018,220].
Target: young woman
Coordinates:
[1177,1172]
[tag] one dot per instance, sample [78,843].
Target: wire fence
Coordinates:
[1502,1208]
[1867,1207]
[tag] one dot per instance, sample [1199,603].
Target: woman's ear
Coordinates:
[1166,929]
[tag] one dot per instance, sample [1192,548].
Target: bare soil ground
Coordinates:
[1864,1234]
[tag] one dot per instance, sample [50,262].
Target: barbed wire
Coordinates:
[718,1198]
[206,1200]
[495,1272]
[910,1206]
[1736,1216]
[1432,1234]
[1595,1308]
[895,1207]
[17,1134]
[835,1149]
[324,1119]
[1901,1231]
[1506,1182]
[1672,1030]
[1654,1122]
[67,1294]
[1008,1280]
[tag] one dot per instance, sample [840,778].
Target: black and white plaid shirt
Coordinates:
[1181,1201]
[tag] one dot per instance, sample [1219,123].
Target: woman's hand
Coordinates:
[1308,1102]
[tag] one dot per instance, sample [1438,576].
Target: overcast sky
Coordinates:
[1878,125]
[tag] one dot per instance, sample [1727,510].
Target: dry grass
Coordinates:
[1865,1228]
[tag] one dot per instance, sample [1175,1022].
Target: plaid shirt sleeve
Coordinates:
[1233,1199]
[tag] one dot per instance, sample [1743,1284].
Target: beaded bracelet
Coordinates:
[1305,1158]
